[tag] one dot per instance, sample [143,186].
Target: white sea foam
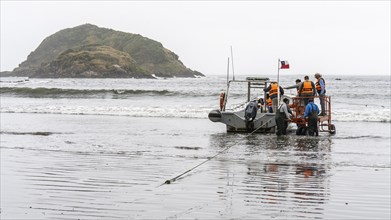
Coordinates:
[177,112]
[382,115]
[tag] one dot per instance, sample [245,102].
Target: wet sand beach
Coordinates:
[57,166]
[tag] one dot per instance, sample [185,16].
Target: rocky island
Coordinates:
[89,51]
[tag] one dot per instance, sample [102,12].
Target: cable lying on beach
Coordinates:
[169,181]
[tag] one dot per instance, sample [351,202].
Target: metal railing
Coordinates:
[298,109]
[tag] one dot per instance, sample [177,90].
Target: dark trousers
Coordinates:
[282,123]
[313,124]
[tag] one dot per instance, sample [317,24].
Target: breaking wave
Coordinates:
[42,92]
[78,93]
[168,112]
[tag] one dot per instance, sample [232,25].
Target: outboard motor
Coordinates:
[215,115]
[249,114]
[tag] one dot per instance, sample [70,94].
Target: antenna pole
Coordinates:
[233,71]
[228,72]
[226,94]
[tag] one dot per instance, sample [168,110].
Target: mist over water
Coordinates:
[101,149]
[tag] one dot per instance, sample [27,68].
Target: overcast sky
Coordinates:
[330,37]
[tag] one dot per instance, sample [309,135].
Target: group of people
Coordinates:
[306,90]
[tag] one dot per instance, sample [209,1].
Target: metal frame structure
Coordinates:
[298,109]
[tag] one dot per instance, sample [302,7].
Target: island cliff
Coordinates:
[88,51]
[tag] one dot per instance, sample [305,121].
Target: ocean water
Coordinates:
[102,149]
[354,98]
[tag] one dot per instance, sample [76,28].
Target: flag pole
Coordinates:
[278,83]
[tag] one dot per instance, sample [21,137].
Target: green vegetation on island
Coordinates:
[88,51]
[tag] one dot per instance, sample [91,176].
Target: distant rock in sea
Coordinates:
[88,51]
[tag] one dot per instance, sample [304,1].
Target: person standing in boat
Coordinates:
[311,113]
[299,102]
[296,86]
[269,103]
[307,89]
[260,104]
[321,89]
[283,115]
[273,93]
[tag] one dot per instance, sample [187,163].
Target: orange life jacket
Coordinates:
[318,87]
[307,88]
[273,89]
[269,102]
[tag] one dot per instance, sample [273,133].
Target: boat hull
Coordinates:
[236,122]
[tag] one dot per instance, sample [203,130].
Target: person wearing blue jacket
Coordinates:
[311,113]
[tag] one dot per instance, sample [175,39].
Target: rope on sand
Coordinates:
[169,181]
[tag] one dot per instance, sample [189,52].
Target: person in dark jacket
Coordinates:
[298,103]
[261,104]
[311,113]
[296,86]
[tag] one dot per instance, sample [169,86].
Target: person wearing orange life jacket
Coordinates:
[269,103]
[307,89]
[273,92]
[321,89]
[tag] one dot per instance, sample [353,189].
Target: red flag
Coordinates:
[284,65]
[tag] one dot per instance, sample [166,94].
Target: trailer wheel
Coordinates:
[332,129]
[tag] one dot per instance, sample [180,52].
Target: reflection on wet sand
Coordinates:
[85,169]
[290,181]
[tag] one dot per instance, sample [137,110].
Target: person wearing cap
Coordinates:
[307,89]
[283,114]
[273,92]
[321,89]
[311,114]
[296,86]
